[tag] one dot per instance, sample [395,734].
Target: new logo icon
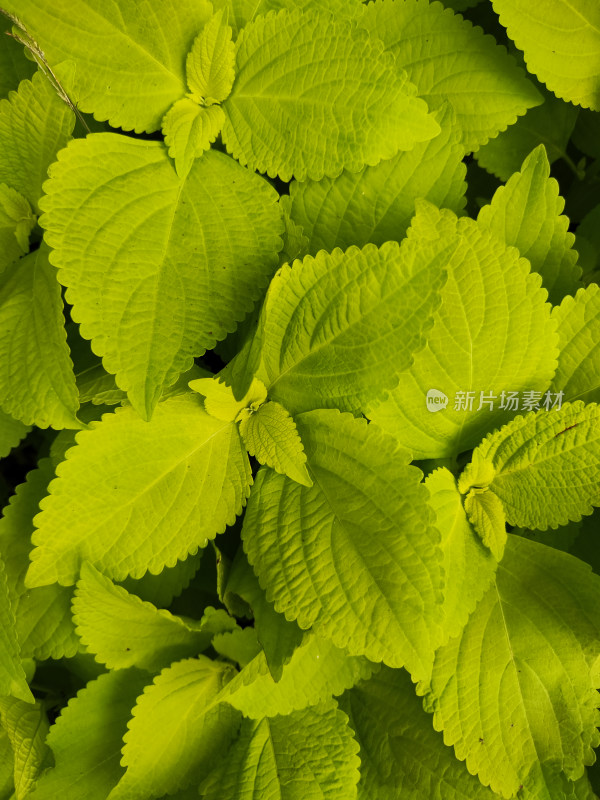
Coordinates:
[436,400]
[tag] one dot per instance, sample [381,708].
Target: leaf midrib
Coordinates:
[506,473]
[124,34]
[386,300]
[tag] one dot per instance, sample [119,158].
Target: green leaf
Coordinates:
[241,12]
[239,645]
[336,329]
[16,223]
[585,135]
[98,387]
[355,555]
[134,496]
[222,565]
[189,130]
[65,439]
[6,767]
[210,65]
[220,402]
[11,433]
[34,125]
[14,68]
[447,59]
[526,213]
[468,565]
[308,754]
[37,384]
[188,258]
[587,241]
[377,203]
[181,385]
[402,757]
[178,728]
[161,589]
[566,538]
[550,124]
[27,727]
[317,671]
[486,514]
[545,466]
[491,335]
[546,783]
[123,631]
[43,615]
[270,434]
[295,243]
[578,320]
[278,637]
[87,755]
[513,691]
[94,384]
[313,96]
[12,675]
[561,43]
[216,621]
[130,58]
[245,361]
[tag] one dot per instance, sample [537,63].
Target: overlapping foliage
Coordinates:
[308,400]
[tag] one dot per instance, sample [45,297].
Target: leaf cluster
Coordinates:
[299,400]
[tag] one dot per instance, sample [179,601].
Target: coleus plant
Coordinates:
[313,427]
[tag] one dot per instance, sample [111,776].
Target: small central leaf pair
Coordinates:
[482,506]
[194,122]
[268,431]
